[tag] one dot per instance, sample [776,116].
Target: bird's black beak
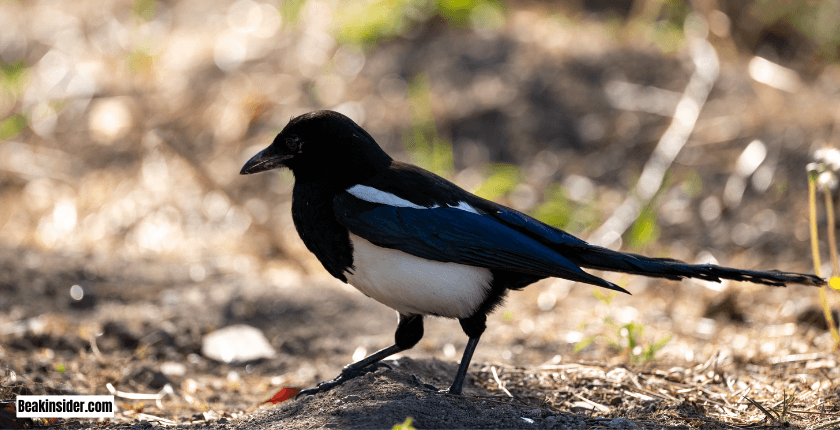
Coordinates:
[263,161]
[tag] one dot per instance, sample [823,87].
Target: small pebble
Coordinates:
[238,342]
[621,423]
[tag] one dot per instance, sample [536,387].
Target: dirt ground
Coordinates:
[168,244]
[764,357]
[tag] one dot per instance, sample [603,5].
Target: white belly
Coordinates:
[416,286]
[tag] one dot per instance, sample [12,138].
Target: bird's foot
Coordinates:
[448,392]
[349,372]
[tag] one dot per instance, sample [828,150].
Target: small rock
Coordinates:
[115,335]
[150,378]
[84,301]
[815,317]
[173,368]
[556,421]
[236,343]
[352,398]
[621,423]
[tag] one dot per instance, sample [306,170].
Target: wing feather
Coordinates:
[452,235]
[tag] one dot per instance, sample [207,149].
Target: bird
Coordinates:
[423,246]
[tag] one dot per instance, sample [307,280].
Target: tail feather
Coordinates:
[594,257]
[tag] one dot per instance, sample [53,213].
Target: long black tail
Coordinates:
[595,257]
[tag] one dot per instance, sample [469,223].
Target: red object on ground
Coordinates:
[284,394]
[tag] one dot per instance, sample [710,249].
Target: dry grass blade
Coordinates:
[599,407]
[654,394]
[160,420]
[828,414]
[827,425]
[729,410]
[95,349]
[671,142]
[639,396]
[765,411]
[796,357]
[501,386]
[137,396]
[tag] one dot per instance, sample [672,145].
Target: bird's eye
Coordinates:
[294,144]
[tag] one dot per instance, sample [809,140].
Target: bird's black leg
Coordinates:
[473,326]
[409,332]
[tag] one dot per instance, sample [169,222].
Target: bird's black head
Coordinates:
[322,145]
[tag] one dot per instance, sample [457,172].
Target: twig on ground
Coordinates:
[137,396]
[501,386]
[161,420]
[814,413]
[95,349]
[796,357]
[826,425]
[765,411]
[599,407]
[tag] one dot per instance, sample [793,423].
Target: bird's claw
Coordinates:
[376,366]
[346,374]
[323,386]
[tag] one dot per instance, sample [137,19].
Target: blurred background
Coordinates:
[124,124]
[671,128]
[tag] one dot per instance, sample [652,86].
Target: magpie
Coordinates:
[423,246]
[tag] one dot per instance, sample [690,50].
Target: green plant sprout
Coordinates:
[786,404]
[14,78]
[500,182]
[405,425]
[422,142]
[558,210]
[625,338]
[369,22]
[692,185]
[144,9]
[290,11]
[645,230]
[12,126]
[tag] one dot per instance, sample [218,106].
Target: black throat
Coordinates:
[312,213]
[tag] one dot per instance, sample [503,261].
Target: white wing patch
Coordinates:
[370,194]
[464,206]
